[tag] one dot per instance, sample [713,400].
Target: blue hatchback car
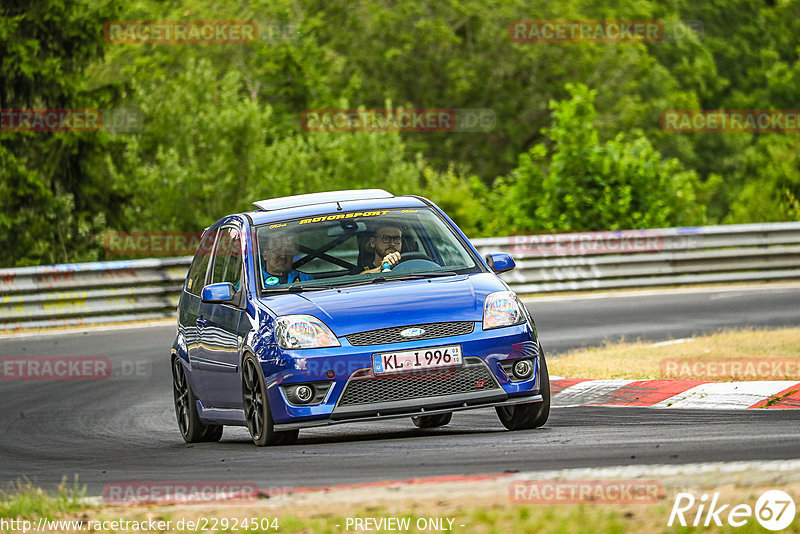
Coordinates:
[349,306]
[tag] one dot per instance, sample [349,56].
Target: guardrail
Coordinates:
[646,258]
[85,293]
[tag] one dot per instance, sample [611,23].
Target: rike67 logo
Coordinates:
[774,510]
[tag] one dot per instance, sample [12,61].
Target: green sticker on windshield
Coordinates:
[271,281]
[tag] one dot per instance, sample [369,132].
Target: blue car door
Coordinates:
[190,322]
[220,338]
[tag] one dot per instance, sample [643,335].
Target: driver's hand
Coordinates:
[392,259]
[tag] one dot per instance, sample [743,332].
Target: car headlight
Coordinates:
[303,332]
[502,308]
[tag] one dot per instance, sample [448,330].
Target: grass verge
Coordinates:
[24,500]
[730,355]
[486,511]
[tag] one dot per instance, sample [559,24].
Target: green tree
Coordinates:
[54,193]
[590,185]
[209,148]
[771,178]
[463,198]
[222,121]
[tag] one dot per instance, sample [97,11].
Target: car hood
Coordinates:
[348,310]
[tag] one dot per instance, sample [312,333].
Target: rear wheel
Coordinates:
[192,429]
[432,421]
[256,408]
[529,415]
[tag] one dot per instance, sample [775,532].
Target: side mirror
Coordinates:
[500,262]
[222,292]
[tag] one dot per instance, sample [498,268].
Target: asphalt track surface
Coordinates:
[123,428]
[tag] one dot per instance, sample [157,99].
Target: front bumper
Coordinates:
[418,411]
[399,395]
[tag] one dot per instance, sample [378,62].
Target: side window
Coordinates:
[227,258]
[196,279]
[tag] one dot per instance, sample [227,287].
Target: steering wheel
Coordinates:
[414,260]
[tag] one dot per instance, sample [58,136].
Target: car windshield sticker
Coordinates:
[343,216]
[271,281]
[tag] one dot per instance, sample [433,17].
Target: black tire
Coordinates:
[256,408]
[432,421]
[529,415]
[189,424]
[213,433]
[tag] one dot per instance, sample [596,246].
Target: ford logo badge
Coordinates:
[412,332]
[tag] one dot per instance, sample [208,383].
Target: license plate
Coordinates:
[412,360]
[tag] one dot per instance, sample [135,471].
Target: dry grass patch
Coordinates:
[473,508]
[725,356]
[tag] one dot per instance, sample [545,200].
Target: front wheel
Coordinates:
[256,408]
[529,415]
[192,429]
[431,421]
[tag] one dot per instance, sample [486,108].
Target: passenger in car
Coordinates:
[277,256]
[386,242]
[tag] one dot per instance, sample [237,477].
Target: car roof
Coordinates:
[309,199]
[277,209]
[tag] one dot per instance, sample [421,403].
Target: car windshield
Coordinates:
[347,248]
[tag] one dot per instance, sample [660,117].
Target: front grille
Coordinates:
[363,388]
[392,335]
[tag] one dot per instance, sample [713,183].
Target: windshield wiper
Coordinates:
[294,289]
[412,276]
[415,276]
[301,288]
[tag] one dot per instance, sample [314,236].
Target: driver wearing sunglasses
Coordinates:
[387,241]
[278,256]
